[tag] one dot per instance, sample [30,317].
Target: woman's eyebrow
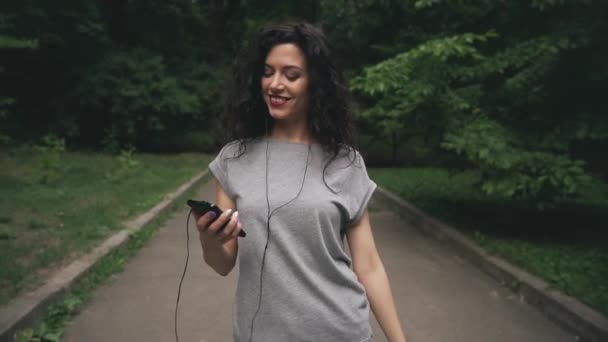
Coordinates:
[285,67]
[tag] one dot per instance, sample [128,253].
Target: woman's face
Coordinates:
[285,82]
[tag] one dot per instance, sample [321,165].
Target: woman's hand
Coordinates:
[223,229]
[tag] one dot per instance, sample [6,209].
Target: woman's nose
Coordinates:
[276,84]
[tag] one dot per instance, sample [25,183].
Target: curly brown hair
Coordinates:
[330,117]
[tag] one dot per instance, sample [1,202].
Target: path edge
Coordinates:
[567,312]
[27,309]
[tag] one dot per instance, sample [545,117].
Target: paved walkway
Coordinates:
[440,297]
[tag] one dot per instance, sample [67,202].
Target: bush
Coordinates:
[49,157]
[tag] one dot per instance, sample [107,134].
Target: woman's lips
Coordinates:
[277,101]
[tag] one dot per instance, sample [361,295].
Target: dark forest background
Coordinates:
[515,89]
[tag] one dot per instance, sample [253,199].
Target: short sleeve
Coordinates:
[355,188]
[219,168]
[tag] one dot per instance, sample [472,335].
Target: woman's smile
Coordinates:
[285,82]
[277,101]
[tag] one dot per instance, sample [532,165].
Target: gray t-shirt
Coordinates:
[308,289]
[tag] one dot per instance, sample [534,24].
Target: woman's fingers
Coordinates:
[203,221]
[218,225]
[224,228]
[236,231]
[232,227]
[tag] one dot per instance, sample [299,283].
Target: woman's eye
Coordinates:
[267,72]
[291,77]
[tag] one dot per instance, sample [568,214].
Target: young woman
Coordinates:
[293,181]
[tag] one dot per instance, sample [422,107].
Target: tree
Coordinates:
[9,42]
[496,94]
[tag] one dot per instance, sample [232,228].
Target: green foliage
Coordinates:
[49,155]
[9,42]
[112,74]
[60,313]
[420,4]
[5,103]
[543,5]
[543,243]
[6,234]
[429,188]
[504,85]
[408,85]
[45,333]
[369,31]
[575,269]
[511,169]
[136,93]
[41,334]
[43,225]
[127,165]
[492,97]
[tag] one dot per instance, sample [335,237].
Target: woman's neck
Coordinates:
[291,133]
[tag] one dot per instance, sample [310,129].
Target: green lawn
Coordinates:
[567,245]
[52,211]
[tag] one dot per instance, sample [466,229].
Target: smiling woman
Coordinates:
[285,83]
[293,62]
[292,179]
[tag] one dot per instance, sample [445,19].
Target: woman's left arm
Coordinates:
[370,271]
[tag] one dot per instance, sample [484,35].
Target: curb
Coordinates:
[27,310]
[567,312]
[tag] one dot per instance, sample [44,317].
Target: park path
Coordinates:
[440,297]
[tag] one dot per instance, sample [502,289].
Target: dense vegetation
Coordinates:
[498,104]
[53,212]
[512,88]
[564,245]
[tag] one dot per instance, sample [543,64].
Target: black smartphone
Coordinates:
[202,207]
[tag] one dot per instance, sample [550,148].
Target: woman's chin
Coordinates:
[278,114]
[288,113]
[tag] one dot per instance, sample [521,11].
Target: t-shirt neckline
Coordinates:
[280,141]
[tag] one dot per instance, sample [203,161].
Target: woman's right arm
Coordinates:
[220,248]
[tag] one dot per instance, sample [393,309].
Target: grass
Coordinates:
[52,212]
[59,314]
[566,246]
